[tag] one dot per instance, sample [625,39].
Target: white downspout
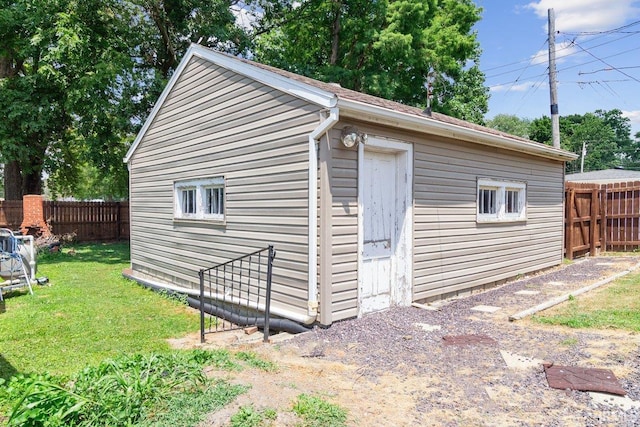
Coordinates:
[314,136]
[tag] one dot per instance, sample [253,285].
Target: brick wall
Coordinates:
[33,220]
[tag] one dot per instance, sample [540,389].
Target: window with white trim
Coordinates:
[200,199]
[501,201]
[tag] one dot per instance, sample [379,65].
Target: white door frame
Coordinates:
[404,257]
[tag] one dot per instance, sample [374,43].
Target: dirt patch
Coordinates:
[392,368]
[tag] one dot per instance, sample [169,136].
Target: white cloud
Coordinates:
[634,116]
[587,15]
[540,57]
[520,87]
[563,50]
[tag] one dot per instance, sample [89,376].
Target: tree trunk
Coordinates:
[32,182]
[335,34]
[12,181]
[18,183]
[158,17]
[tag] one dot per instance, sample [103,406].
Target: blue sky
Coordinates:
[595,71]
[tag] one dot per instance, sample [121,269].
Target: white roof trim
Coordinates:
[284,84]
[348,108]
[375,114]
[269,78]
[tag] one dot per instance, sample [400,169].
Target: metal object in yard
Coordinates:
[237,293]
[15,257]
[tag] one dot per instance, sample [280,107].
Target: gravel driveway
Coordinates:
[437,384]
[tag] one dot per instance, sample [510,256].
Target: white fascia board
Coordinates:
[274,80]
[384,116]
[284,84]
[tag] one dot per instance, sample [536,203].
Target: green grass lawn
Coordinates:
[88,313]
[616,306]
[91,349]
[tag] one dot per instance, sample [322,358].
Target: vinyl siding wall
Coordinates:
[452,252]
[344,233]
[218,123]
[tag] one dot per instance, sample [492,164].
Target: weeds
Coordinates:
[316,412]
[254,361]
[116,392]
[569,342]
[248,416]
[181,298]
[188,409]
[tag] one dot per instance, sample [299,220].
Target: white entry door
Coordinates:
[384,279]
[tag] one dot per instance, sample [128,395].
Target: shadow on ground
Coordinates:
[103,253]
[6,369]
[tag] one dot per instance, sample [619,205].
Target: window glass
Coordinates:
[487,201]
[214,200]
[511,202]
[189,201]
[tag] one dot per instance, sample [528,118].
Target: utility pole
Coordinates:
[555,118]
[584,154]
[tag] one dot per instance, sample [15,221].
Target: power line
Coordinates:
[614,30]
[607,64]
[567,46]
[520,75]
[572,66]
[517,62]
[597,60]
[580,73]
[595,81]
[606,84]
[533,89]
[571,42]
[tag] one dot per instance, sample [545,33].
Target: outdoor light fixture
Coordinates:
[351,137]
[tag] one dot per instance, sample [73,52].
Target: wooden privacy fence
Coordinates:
[10,214]
[90,221]
[601,216]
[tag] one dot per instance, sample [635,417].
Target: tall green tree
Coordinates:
[599,140]
[511,124]
[540,130]
[394,49]
[79,77]
[605,136]
[30,92]
[59,57]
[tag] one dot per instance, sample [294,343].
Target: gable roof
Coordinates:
[355,105]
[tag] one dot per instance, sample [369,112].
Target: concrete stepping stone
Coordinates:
[429,307]
[606,399]
[428,328]
[556,283]
[515,361]
[486,308]
[527,292]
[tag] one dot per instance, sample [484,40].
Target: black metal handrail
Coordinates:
[238,290]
